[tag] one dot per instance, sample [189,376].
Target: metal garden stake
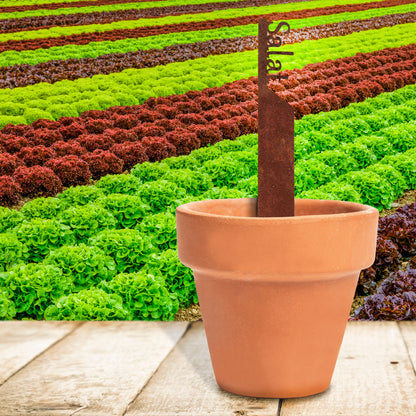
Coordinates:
[275,129]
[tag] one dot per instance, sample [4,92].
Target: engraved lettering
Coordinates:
[271,65]
[279,26]
[275,41]
[279,53]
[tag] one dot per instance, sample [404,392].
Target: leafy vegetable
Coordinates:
[128,248]
[145,295]
[161,229]
[371,187]
[86,221]
[121,184]
[43,208]
[194,182]
[178,75]
[88,305]
[9,218]
[86,266]
[128,210]
[40,236]
[178,278]
[335,191]
[148,171]
[12,251]
[80,195]
[34,287]
[7,307]
[160,193]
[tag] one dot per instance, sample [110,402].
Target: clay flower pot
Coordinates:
[275,293]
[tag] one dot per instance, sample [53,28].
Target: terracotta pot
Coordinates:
[275,293]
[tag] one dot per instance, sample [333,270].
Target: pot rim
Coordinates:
[361,209]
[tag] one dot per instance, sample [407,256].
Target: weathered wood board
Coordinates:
[22,341]
[185,385]
[160,369]
[408,331]
[97,371]
[373,377]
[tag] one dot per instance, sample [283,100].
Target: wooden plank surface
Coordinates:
[96,371]
[22,341]
[408,330]
[185,385]
[373,377]
[99,368]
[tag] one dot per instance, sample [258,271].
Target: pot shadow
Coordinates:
[191,353]
[188,371]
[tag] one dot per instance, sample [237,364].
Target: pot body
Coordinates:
[275,293]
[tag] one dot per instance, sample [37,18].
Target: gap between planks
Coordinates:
[23,341]
[96,371]
[408,332]
[150,378]
[373,377]
[184,385]
[99,368]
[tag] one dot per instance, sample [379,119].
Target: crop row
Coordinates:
[183,18]
[42,19]
[341,90]
[395,297]
[95,49]
[84,282]
[395,242]
[150,27]
[192,117]
[324,148]
[134,86]
[57,70]
[99,293]
[53,5]
[116,240]
[375,184]
[73,150]
[138,10]
[79,166]
[35,4]
[356,139]
[394,301]
[328,75]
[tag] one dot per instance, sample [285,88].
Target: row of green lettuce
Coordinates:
[95,49]
[12,3]
[108,251]
[184,18]
[168,20]
[106,8]
[24,105]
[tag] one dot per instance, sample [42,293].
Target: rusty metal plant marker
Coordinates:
[276,188]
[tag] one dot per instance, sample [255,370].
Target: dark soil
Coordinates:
[192,313]
[408,198]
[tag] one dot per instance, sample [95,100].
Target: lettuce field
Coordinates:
[114,112]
